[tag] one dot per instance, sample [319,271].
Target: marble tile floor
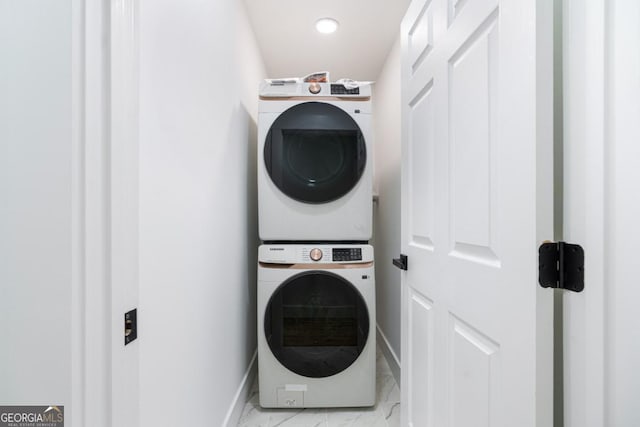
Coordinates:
[386,412]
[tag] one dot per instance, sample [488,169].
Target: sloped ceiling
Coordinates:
[291,46]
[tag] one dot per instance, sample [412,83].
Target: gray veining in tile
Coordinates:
[253,416]
[300,418]
[391,412]
[369,417]
[386,412]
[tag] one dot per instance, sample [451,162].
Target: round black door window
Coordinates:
[316,324]
[315,152]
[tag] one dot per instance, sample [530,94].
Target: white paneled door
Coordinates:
[477,201]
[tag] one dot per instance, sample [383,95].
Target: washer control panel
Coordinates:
[315,253]
[347,254]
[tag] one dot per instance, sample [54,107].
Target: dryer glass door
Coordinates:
[315,152]
[316,324]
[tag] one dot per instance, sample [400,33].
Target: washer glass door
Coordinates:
[316,324]
[315,152]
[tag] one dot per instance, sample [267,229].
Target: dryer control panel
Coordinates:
[277,89]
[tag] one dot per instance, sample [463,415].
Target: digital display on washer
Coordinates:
[347,254]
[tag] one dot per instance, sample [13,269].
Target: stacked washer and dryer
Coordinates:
[316,289]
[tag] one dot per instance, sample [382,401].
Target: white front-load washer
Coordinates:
[316,326]
[315,161]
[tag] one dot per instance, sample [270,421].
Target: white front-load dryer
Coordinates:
[316,326]
[315,161]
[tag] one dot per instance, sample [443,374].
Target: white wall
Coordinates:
[386,109]
[36,209]
[199,73]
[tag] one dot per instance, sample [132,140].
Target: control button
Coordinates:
[315,88]
[315,254]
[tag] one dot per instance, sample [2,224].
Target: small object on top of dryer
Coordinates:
[352,84]
[318,76]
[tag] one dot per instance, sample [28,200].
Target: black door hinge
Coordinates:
[402,262]
[561,265]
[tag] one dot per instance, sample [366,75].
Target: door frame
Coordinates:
[584,26]
[599,66]
[104,376]
[123,173]
[91,348]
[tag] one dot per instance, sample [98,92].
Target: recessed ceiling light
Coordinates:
[326,25]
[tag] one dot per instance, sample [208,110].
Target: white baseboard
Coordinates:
[240,398]
[389,354]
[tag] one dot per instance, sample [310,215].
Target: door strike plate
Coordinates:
[130,326]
